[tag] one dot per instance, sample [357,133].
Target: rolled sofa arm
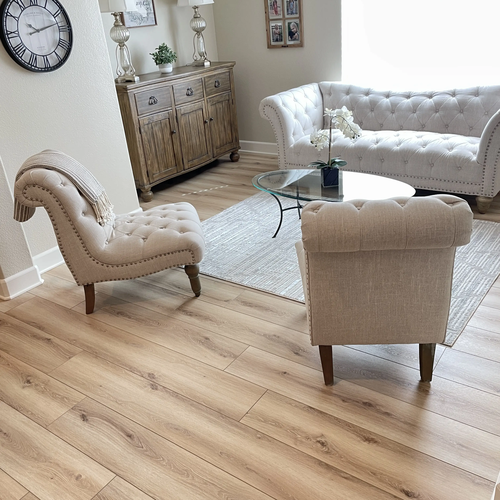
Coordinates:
[293,114]
[438,221]
[488,155]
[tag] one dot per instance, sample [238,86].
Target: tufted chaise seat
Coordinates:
[126,246]
[446,141]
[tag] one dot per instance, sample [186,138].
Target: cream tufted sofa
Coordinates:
[446,141]
[127,246]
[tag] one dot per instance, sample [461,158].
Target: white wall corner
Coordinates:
[265,148]
[20,283]
[49,259]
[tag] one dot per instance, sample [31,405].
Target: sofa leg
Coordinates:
[326,355]
[89,298]
[426,354]
[483,203]
[193,273]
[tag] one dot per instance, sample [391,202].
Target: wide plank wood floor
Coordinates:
[160,395]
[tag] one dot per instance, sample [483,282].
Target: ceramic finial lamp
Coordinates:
[125,71]
[198,24]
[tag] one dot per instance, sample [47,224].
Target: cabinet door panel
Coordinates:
[222,124]
[193,128]
[161,145]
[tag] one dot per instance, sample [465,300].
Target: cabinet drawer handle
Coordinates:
[206,121]
[152,100]
[174,131]
[217,84]
[211,119]
[189,92]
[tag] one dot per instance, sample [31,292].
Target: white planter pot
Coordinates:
[165,68]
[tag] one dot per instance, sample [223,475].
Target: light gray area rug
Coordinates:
[240,249]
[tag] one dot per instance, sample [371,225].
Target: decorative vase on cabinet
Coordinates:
[178,122]
[165,68]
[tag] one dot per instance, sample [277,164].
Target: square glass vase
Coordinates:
[329,177]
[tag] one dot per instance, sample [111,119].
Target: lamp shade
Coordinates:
[117,5]
[192,3]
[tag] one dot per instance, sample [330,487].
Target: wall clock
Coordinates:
[36,33]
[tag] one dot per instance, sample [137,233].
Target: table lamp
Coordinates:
[120,34]
[198,24]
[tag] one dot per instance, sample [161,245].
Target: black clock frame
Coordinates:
[15,51]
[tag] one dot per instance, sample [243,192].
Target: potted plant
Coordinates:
[164,56]
[341,119]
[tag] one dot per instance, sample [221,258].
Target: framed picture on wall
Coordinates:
[292,8]
[284,26]
[144,16]
[275,9]
[293,31]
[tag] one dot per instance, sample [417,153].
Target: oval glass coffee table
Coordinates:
[305,185]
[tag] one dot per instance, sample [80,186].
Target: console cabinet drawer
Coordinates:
[188,91]
[217,83]
[151,101]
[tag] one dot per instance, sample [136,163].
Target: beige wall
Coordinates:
[73,109]
[259,71]
[172,28]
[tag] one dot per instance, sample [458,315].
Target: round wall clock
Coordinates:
[36,33]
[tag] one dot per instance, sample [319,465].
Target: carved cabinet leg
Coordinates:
[234,156]
[146,194]
[89,298]
[483,203]
[326,355]
[426,354]
[192,271]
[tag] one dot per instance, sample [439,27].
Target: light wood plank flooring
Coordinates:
[160,395]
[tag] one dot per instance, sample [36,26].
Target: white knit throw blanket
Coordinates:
[84,180]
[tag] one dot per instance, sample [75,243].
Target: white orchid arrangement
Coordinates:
[342,120]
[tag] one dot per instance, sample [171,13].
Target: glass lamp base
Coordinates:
[125,79]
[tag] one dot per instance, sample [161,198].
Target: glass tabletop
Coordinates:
[305,184]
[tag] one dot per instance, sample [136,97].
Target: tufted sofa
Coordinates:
[446,141]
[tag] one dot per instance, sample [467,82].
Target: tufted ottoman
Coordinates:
[124,246]
[439,140]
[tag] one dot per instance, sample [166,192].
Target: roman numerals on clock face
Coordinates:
[37,34]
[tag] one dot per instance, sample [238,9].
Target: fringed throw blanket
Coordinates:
[84,180]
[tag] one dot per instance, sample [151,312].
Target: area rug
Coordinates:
[240,249]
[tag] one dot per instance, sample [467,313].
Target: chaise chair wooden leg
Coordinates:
[192,271]
[483,203]
[89,298]
[326,355]
[426,354]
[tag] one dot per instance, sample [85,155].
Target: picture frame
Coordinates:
[275,9]
[276,30]
[284,27]
[138,19]
[292,8]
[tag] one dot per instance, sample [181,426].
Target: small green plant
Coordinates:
[163,55]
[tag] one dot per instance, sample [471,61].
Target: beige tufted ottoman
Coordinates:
[125,246]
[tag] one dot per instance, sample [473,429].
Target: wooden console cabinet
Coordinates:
[178,122]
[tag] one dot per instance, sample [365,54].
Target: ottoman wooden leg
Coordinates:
[326,356]
[192,271]
[426,355]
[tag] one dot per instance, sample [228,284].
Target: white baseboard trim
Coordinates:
[49,259]
[20,283]
[265,148]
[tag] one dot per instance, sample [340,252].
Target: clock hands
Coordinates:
[39,30]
